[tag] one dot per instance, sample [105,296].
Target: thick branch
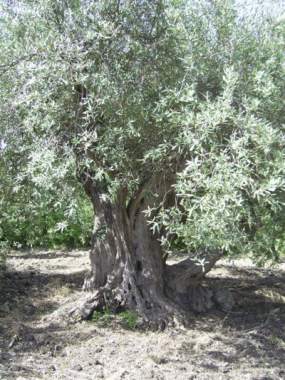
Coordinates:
[135,201]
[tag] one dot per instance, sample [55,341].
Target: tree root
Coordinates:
[156,306]
[163,314]
[80,307]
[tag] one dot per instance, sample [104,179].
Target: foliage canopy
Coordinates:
[134,90]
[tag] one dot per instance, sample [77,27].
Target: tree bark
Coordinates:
[128,270]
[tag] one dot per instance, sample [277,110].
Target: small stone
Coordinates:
[77,367]
[101,376]
[52,368]
[123,374]
[159,359]
[97,362]
[162,360]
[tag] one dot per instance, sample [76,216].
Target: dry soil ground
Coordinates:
[247,343]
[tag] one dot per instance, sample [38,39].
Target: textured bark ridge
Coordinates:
[128,270]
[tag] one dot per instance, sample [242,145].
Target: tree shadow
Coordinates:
[254,329]
[45,255]
[25,297]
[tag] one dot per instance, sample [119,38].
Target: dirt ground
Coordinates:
[246,343]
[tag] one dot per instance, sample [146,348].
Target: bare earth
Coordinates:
[246,343]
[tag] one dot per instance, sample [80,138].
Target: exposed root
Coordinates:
[183,284]
[157,306]
[79,307]
[189,272]
[200,299]
[84,308]
[160,313]
[155,316]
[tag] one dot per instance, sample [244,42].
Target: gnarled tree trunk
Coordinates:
[128,270]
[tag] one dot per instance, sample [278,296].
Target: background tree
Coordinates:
[41,203]
[174,114]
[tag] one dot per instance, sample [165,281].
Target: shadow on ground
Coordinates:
[252,331]
[43,255]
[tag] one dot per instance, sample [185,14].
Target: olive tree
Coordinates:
[174,114]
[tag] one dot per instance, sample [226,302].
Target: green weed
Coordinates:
[127,319]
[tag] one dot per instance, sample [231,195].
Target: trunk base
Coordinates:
[165,314]
[83,305]
[156,307]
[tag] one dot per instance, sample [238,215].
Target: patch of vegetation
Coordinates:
[103,318]
[277,341]
[127,319]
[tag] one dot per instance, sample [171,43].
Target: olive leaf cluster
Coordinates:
[136,91]
[230,193]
